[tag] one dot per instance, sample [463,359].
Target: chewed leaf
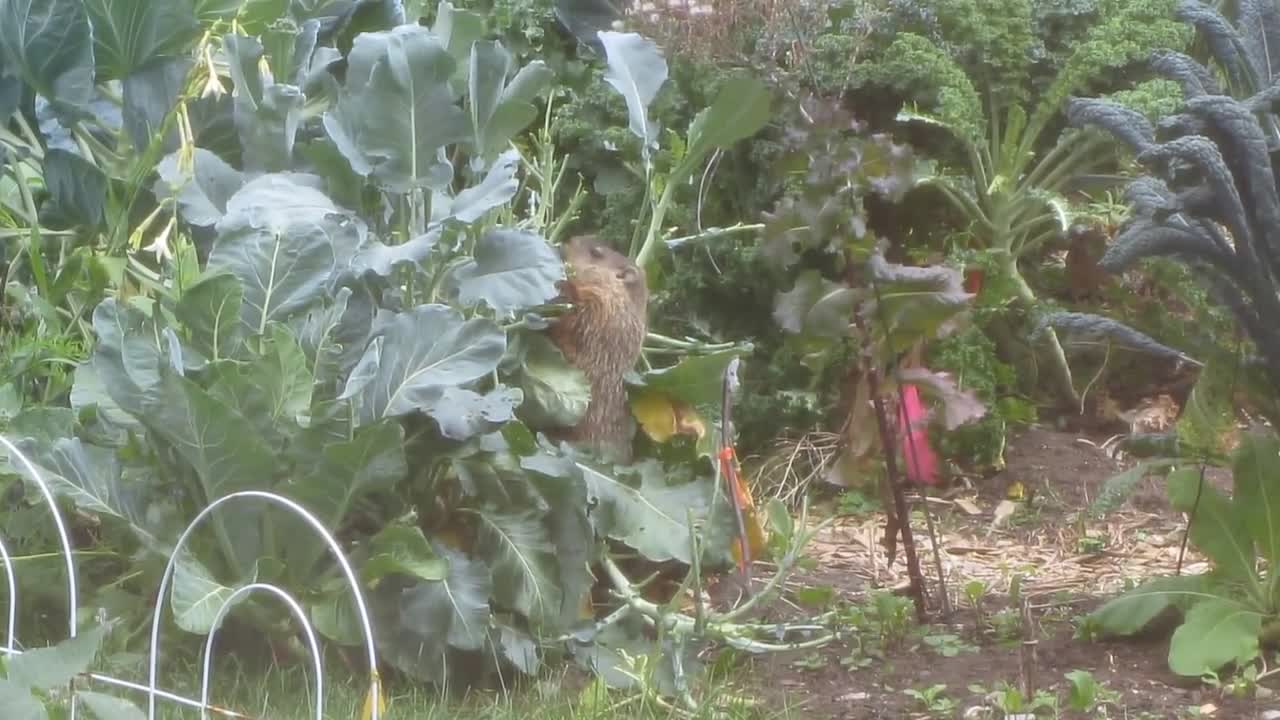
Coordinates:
[511,270]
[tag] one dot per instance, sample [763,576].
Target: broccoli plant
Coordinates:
[342,278]
[1012,196]
[1210,201]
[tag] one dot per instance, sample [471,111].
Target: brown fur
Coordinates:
[602,336]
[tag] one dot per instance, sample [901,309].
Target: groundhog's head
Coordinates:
[597,272]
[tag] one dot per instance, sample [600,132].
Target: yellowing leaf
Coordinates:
[1016,491]
[655,414]
[662,417]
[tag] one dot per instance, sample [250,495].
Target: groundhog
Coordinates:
[602,336]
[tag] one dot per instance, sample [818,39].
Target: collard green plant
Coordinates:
[342,306]
[1011,193]
[1226,612]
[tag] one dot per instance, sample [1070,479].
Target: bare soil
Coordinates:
[1067,565]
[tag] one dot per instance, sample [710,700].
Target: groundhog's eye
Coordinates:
[627,275]
[597,252]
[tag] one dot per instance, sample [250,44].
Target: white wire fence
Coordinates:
[155,695]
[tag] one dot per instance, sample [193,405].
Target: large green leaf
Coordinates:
[913,303]
[816,306]
[375,256]
[226,453]
[77,187]
[420,353]
[497,188]
[202,196]
[458,29]
[572,535]
[1218,528]
[272,391]
[1216,631]
[404,73]
[637,70]
[126,359]
[639,508]
[1257,495]
[196,596]
[89,391]
[740,109]
[49,44]
[19,703]
[52,667]
[498,110]
[696,379]
[372,460]
[1134,610]
[129,33]
[210,313]
[405,550]
[517,548]
[267,114]
[281,240]
[91,478]
[555,392]
[333,336]
[416,625]
[149,94]
[512,269]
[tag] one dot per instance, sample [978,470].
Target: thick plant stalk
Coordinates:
[1057,357]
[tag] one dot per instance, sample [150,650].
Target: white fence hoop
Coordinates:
[153,692]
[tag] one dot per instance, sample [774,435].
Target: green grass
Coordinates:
[288,694]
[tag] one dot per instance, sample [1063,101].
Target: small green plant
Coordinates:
[948,644]
[1087,694]
[884,622]
[857,502]
[1227,611]
[1006,625]
[1010,699]
[934,700]
[975,591]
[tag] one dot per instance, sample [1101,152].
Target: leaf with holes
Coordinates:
[511,270]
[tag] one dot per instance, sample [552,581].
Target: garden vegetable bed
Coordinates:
[1067,570]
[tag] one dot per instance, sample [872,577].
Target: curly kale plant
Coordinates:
[1211,202]
[1012,193]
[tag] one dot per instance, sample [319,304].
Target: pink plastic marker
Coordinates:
[922,465]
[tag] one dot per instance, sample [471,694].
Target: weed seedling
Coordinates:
[934,701]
